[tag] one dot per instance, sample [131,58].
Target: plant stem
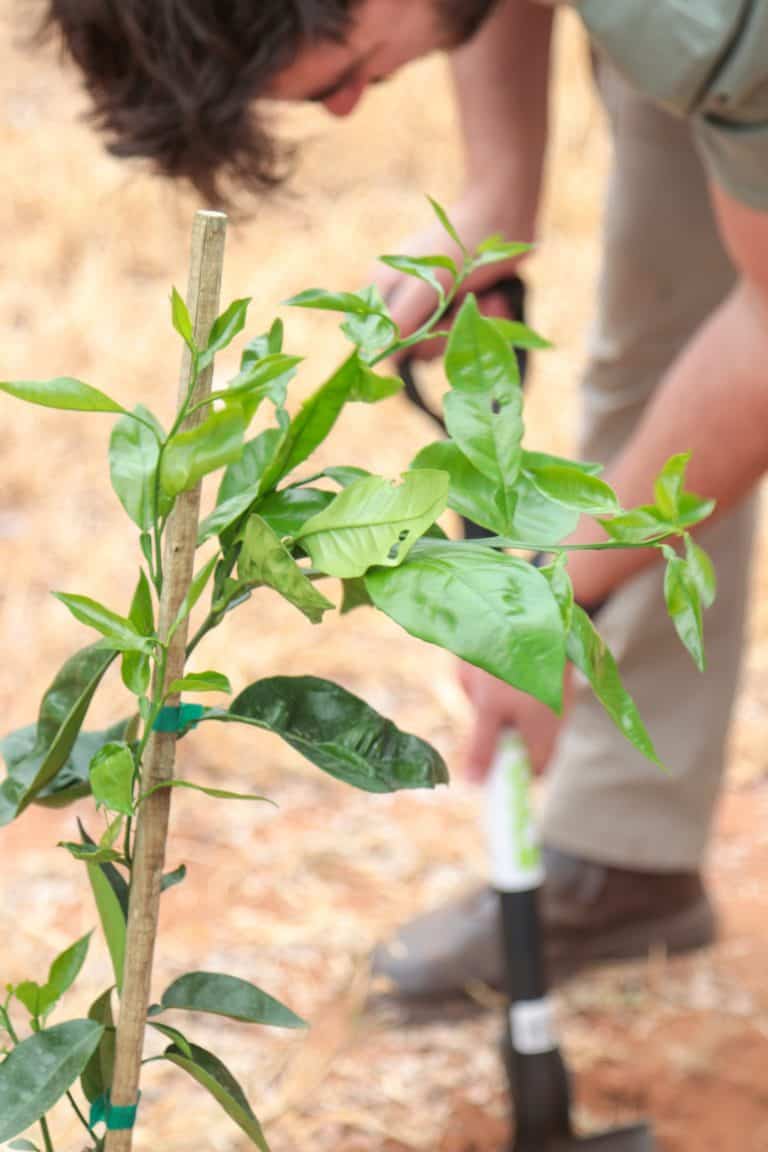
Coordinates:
[46,1134]
[81,1117]
[5,1016]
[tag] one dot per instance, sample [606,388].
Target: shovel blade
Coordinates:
[636,1139]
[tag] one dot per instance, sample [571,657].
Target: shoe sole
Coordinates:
[686,931]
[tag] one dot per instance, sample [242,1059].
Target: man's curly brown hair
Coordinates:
[174,81]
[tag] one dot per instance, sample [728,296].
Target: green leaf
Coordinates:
[701,572]
[373,522]
[96,1078]
[490,609]
[192,454]
[112,773]
[447,224]
[63,393]
[519,335]
[265,560]
[261,380]
[534,460]
[641,525]
[135,666]
[315,419]
[92,853]
[214,793]
[224,329]
[351,303]
[226,514]
[209,1072]
[182,321]
[345,474]
[62,712]
[339,733]
[559,581]
[37,1073]
[684,606]
[201,682]
[372,388]
[423,268]
[111,914]
[471,494]
[478,358]
[171,879]
[355,595]
[23,1146]
[288,510]
[28,994]
[496,250]
[64,971]
[118,630]
[488,429]
[523,513]
[134,452]
[72,780]
[178,1039]
[374,332]
[268,344]
[251,471]
[228,996]
[588,651]
[112,832]
[693,509]
[194,592]
[668,487]
[574,488]
[142,614]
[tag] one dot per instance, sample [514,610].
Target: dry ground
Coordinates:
[294,899]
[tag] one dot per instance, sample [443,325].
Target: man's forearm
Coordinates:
[502,83]
[713,404]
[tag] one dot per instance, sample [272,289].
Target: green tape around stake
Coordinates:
[181,719]
[116,1119]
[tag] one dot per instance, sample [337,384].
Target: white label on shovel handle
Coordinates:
[533,1027]
[515,856]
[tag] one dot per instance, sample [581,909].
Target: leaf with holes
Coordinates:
[374,522]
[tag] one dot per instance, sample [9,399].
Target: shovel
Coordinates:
[538,1079]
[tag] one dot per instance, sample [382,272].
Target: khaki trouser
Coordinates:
[664,271]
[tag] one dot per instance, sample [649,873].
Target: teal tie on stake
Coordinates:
[180,719]
[116,1119]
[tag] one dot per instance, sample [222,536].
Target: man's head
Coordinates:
[178,81]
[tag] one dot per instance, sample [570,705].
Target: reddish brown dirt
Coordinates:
[295,898]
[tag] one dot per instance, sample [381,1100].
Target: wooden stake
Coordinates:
[208,237]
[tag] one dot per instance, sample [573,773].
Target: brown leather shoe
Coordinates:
[591,914]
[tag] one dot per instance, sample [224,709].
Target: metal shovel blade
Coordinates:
[636,1139]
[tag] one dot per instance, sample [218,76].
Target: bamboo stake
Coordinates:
[208,237]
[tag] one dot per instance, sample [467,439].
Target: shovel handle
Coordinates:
[537,1077]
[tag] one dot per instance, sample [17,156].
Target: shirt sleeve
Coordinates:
[730,120]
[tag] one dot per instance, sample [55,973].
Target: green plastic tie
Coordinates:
[103,1111]
[180,718]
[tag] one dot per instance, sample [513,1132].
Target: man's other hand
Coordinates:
[497,707]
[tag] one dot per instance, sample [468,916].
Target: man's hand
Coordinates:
[477,216]
[497,706]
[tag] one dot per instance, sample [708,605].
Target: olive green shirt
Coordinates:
[703,59]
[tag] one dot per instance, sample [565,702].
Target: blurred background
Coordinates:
[294,898]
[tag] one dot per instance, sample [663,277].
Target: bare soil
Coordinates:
[294,898]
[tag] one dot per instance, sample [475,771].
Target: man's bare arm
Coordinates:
[502,83]
[713,403]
